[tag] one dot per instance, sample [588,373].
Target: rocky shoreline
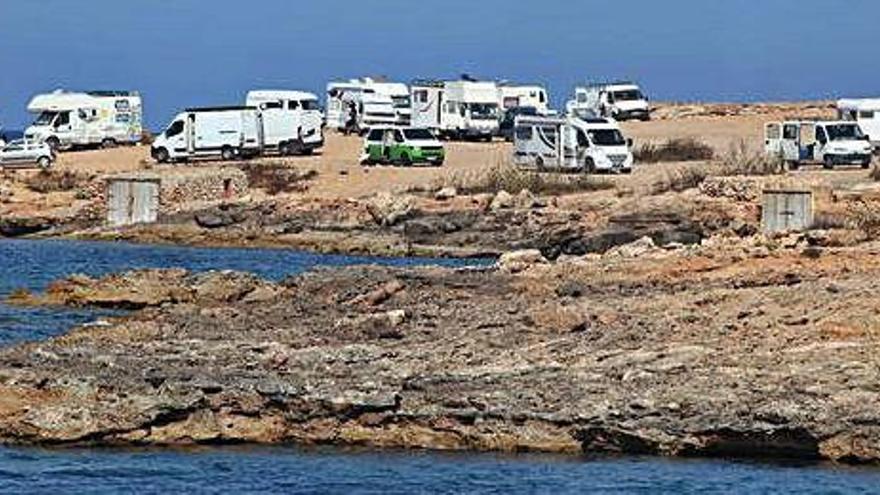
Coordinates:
[763,349]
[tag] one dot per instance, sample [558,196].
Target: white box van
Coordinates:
[570,143]
[622,100]
[513,96]
[827,142]
[225,132]
[66,120]
[457,109]
[292,120]
[865,111]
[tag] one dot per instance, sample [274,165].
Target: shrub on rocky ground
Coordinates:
[741,160]
[674,150]
[510,178]
[275,177]
[49,180]
[681,179]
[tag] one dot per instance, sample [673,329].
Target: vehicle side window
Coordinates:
[542,97]
[13,147]
[820,135]
[293,105]
[789,132]
[174,129]
[583,142]
[398,136]
[63,119]
[421,96]
[866,114]
[272,104]
[524,132]
[549,133]
[375,135]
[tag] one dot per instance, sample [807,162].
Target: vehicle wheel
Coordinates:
[44,162]
[405,160]
[589,166]
[161,155]
[646,118]
[283,149]
[108,143]
[53,143]
[793,165]
[297,148]
[227,153]
[539,163]
[866,163]
[829,162]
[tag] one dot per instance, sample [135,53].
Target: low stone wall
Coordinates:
[180,188]
[750,188]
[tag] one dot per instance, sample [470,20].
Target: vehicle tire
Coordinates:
[297,148]
[793,165]
[44,162]
[108,143]
[161,155]
[405,160]
[53,143]
[227,154]
[284,149]
[589,166]
[866,163]
[829,162]
[539,163]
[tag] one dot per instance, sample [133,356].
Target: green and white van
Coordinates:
[402,146]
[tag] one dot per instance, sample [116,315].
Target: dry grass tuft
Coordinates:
[674,150]
[276,178]
[509,178]
[50,180]
[741,160]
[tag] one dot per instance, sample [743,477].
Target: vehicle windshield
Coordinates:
[628,95]
[484,110]
[418,134]
[45,118]
[844,132]
[606,137]
[401,101]
[310,105]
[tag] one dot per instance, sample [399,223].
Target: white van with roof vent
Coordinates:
[571,143]
[292,120]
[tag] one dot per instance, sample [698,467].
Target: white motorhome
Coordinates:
[292,120]
[865,111]
[225,132]
[358,104]
[827,142]
[400,99]
[457,109]
[513,96]
[571,143]
[67,120]
[619,100]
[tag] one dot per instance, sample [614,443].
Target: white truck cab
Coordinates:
[827,142]
[570,143]
[864,111]
[622,100]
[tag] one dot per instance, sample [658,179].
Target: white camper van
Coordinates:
[827,142]
[865,111]
[622,100]
[67,120]
[593,145]
[457,109]
[292,120]
[358,104]
[225,132]
[514,96]
[400,99]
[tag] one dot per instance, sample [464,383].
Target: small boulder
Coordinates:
[518,261]
[388,209]
[634,249]
[446,194]
[502,200]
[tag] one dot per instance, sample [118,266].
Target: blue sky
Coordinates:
[181,53]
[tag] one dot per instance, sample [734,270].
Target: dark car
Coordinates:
[505,129]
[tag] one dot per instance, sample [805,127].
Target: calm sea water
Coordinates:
[32,264]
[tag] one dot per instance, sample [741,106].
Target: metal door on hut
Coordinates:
[133,201]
